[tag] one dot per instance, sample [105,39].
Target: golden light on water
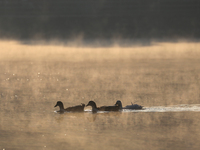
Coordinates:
[34,77]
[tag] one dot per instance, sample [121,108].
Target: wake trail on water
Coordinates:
[174,108]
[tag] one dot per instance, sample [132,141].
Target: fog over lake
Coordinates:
[163,77]
[144,52]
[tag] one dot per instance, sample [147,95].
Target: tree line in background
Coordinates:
[99,19]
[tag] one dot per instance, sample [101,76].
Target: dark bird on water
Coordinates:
[102,108]
[133,106]
[77,108]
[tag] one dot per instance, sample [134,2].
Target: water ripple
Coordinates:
[174,108]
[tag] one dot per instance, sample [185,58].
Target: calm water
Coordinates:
[45,129]
[168,88]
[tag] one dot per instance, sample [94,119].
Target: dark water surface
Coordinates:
[168,88]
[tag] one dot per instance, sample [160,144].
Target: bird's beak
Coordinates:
[56,105]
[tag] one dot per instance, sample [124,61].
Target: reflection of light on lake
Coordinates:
[33,80]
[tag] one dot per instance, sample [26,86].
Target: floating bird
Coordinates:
[133,106]
[102,108]
[77,108]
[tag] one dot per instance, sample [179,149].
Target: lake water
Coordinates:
[45,129]
[167,86]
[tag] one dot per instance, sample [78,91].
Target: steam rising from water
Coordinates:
[15,51]
[34,77]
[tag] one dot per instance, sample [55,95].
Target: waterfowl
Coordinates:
[133,106]
[77,108]
[102,108]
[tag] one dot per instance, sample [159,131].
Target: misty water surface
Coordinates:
[165,80]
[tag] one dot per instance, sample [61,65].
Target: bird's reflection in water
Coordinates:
[69,115]
[59,118]
[93,116]
[90,116]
